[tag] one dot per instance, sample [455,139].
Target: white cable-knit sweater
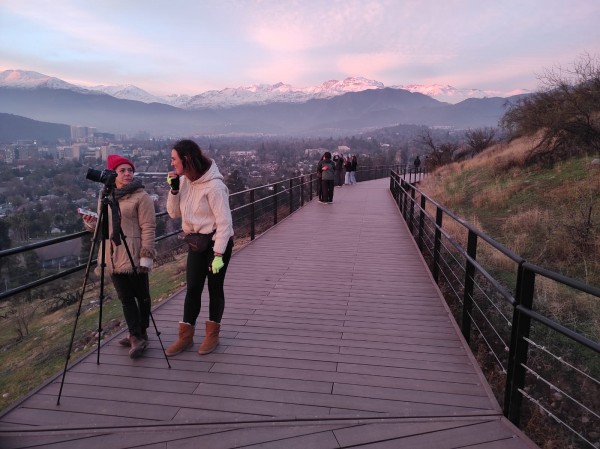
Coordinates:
[203,206]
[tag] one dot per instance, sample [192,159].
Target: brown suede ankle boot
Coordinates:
[185,340]
[211,340]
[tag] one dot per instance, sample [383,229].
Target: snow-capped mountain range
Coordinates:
[254,94]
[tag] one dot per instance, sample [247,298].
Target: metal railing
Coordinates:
[253,210]
[507,311]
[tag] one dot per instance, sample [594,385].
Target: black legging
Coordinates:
[134,292]
[196,273]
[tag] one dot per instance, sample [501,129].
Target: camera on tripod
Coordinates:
[106,176]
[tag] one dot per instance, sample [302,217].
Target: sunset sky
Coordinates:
[191,46]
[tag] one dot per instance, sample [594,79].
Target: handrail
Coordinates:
[249,199]
[428,229]
[574,283]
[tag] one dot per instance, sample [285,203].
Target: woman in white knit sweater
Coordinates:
[200,197]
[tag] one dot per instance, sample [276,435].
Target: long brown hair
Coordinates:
[191,157]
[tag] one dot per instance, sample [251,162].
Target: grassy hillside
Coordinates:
[549,216]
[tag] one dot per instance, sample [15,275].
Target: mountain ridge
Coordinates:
[51,100]
[252,94]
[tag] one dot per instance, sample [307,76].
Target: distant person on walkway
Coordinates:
[138,223]
[201,199]
[417,163]
[326,168]
[353,165]
[338,160]
[348,169]
[320,181]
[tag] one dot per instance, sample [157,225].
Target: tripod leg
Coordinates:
[85,281]
[159,339]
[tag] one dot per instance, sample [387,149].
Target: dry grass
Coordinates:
[550,216]
[495,195]
[522,225]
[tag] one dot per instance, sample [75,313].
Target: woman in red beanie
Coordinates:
[200,197]
[138,223]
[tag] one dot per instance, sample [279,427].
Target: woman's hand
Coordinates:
[89,221]
[173,181]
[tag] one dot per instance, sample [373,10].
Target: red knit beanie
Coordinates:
[114,160]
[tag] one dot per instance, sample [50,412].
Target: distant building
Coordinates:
[314,152]
[61,254]
[23,151]
[239,153]
[67,152]
[82,133]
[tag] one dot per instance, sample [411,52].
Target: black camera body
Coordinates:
[106,176]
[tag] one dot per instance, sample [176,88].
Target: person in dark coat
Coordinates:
[417,163]
[338,160]
[353,165]
[326,168]
[348,168]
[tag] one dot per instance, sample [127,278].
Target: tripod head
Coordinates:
[108,199]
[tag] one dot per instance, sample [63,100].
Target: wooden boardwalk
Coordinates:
[334,336]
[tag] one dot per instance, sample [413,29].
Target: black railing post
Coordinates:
[437,243]
[422,222]
[310,189]
[412,210]
[275,204]
[301,191]
[252,217]
[403,198]
[406,201]
[397,191]
[519,347]
[469,284]
[291,196]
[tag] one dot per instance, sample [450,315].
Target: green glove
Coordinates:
[217,264]
[173,182]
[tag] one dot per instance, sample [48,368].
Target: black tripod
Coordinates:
[101,233]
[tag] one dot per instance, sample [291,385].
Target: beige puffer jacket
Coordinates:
[138,223]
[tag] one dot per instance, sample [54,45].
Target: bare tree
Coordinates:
[438,154]
[566,111]
[479,139]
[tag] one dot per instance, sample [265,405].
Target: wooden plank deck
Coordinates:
[334,336]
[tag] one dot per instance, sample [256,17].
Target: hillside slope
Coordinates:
[549,216]
[14,127]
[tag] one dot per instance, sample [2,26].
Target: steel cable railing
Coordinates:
[506,323]
[254,211]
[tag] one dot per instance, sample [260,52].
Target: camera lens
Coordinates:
[105,176]
[94,175]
